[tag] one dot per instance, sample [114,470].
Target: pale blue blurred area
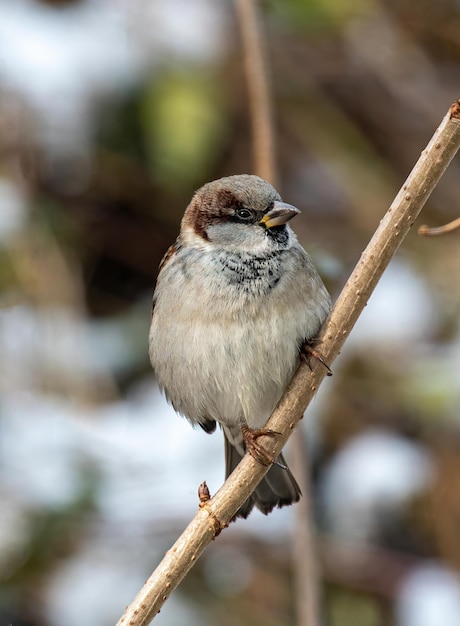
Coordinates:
[13,210]
[430,596]
[401,309]
[369,481]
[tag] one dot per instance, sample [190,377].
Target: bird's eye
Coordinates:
[244,214]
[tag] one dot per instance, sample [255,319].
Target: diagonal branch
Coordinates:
[217,512]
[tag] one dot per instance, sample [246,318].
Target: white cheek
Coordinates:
[190,239]
[234,238]
[239,238]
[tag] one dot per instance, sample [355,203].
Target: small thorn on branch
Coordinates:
[203,494]
[455,109]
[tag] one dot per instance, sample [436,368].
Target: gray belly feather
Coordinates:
[230,349]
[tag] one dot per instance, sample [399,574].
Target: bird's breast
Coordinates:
[256,275]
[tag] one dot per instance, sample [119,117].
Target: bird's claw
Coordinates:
[258,452]
[309,351]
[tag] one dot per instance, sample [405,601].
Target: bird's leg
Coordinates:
[257,451]
[307,351]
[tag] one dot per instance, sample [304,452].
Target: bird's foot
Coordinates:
[308,351]
[254,448]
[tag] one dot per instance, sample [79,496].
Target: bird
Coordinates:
[236,299]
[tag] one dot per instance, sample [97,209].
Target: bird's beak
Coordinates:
[279,215]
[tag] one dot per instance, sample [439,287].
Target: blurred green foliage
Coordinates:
[183,116]
[318,17]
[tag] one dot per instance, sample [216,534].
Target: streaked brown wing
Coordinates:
[170,252]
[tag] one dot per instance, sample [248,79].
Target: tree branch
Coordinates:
[303,543]
[217,512]
[439,230]
[263,139]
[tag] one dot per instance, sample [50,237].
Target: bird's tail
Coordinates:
[277,488]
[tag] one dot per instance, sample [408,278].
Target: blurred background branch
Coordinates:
[258,89]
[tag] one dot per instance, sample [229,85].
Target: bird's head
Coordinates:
[240,212]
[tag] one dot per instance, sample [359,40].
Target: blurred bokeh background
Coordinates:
[111,114]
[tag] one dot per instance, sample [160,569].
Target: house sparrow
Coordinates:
[236,298]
